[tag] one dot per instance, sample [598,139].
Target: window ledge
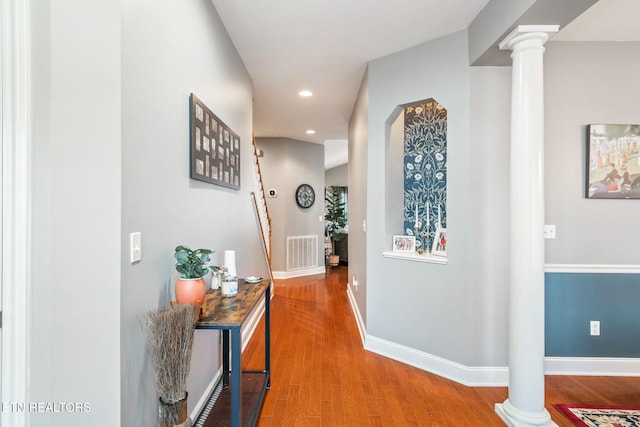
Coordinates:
[413,256]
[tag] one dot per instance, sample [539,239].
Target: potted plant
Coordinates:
[192,266]
[335,217]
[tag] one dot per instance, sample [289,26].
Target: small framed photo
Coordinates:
[404,243]
[440,242]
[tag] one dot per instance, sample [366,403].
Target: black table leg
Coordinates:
[236,374]
[225,358]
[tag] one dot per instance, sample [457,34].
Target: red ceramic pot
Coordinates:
[190,291]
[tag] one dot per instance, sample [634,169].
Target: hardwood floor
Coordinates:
[322,376]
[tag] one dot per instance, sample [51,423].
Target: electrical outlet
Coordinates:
[549,231]
[354,282]
[595,327]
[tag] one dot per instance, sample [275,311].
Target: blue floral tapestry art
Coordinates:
[425,171]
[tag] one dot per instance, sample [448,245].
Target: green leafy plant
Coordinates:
[335,215]
[192,263]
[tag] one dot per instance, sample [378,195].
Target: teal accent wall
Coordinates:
[572,300]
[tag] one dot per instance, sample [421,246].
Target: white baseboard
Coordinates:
[596,366]
[592,268]
[200,404]
[356,312]
[492,376]
[252,322]
[486,376]
[470,376]
[298,273]
[498,376]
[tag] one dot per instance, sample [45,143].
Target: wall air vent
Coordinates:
[302,252]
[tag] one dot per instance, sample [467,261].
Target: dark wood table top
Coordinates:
[231,311]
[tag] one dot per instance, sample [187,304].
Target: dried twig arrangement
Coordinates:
[169,338]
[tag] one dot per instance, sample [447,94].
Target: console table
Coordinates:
[238,396]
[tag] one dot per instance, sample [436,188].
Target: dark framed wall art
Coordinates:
[214,147]
[613,161]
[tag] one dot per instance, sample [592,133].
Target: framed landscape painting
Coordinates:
[613,162]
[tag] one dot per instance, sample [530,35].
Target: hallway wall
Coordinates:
[587,83]
[169,50]
[73,322]
[288,163]
[402,293]
[337,176]
[594,259]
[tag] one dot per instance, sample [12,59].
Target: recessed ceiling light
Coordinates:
[311,132]
[305,93]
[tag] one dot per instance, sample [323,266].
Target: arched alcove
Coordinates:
[416,172]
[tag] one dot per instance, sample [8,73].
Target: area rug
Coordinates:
[601,416]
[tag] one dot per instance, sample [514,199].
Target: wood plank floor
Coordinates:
[322,376]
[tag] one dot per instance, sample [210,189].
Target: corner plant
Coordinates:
[192,263]
[335,216]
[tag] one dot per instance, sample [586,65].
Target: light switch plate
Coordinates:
[549,231]
[136,247]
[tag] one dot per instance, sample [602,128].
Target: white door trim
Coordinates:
[16,208]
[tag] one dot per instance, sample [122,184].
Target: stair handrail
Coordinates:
[262,202]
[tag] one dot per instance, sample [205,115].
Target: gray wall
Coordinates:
[489,27]
[499,17]
[358,155]
[469,295]
[488,210]
[587,83]
[110,87]
[402,293]
[73,326]
[338,176]
[170,50]
[286,164]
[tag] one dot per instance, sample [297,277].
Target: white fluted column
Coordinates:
[525,404]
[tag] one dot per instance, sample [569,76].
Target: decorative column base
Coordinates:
[516,418]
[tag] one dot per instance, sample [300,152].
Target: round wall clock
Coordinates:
[305,196]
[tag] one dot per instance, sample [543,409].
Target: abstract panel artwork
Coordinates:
[214,147]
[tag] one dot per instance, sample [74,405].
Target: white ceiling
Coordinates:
[324,46]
